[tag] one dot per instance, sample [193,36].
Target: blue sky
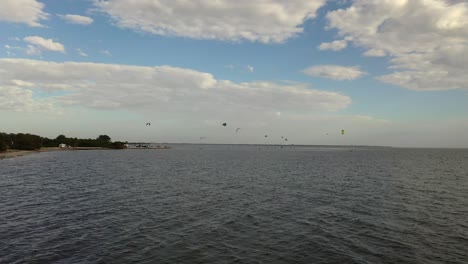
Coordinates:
[388,72]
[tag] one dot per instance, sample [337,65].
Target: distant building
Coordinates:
[63,145]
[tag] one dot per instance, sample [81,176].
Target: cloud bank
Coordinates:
[427,40]
[263,21]
[77,19]
[162,89]
[39,43]
[334,72]
[335,45]
[29,12]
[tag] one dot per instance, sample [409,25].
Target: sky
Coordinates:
[388,72]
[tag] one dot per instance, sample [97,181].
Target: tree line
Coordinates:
[26,141]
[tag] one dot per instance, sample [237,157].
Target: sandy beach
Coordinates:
[16,153]
[11,153]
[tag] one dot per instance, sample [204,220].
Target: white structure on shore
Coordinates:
[63,145]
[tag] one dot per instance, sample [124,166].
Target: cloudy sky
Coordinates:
[389,72]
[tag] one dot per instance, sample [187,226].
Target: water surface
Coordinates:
[236,204]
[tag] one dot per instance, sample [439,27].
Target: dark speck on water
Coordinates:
[236,204]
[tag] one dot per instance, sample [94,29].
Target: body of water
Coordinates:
[236,204]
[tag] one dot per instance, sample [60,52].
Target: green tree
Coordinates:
[47,142]
[104,138]
[3,145]
[27,142]
[61,138]
[103,141]
[74,142]
[118,145]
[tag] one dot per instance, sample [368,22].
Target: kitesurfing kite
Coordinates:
[224,124]
[342,131]
[266,135]
[237,129]
[148,124]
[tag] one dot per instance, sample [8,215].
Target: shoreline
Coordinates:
[16,153]
[12,153]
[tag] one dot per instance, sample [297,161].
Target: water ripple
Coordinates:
[236,204]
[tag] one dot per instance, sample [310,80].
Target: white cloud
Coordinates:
[335,45]
[170,91]
[335,72]
[15,98]
[77,19]
[81,53]
[39,43]
[374,53]
[240,68]
[106,52]
[10,50]
[21,83]
[28,12]
[426,40]
[262,21]
[33,50]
